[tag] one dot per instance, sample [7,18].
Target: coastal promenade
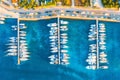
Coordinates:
[63,11]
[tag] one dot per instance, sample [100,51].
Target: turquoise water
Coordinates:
[38,67]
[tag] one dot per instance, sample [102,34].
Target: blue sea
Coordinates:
[38,67]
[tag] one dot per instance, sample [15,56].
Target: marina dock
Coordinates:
[97,50]
[58,22]
[18,41]
[97,45]
[58,40]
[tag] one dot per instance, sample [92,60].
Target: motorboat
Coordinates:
[22,41]
[22,26]
[102,47]
[64,46]
[22,34]
[12,40]
[102,54]
[65,62]
[64,51]
[92,56]
[53,43]
[12,46]
[104,67]
[52,25]
[91,39]
[11,54]
[102,42]
[23,49]
[101,25]
[25,55]
[13,26]
[93,50]
[54,48]
[91,60]
[23,59]
[21,37]
[54,51]
[52,56]
[23,44]
[64,34]
[54,28]
[63,42]
[64,37]
[25,52]
[63,22]
[2,22]
[64,29]
[91,67]
[52,37]
[92,26]
[12,50]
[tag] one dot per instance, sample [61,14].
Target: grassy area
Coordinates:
[32,4]
[111,3]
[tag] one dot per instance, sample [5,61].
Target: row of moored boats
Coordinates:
[17,45]
[97,57]
[58,43]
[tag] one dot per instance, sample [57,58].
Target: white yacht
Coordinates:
[104,67]
[22,26]
[52,37]
[102,54]
[64,29]
[25,52]
[2,22]
[23,41]
[22,34]
[11,54]
[64,34]
[12,46]
[22,37]
[12,40]
[64,46]
[23,44]
[63,42]
[54,51]
[91,67]
[54,48]
[64,37]
[52,56]
[102,42]
[25,55]
[53,40]
[23,59]
[12,50]
[52,25]
[63,22]
[64,51]
[102,47]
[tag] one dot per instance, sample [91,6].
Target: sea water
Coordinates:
[38,67]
